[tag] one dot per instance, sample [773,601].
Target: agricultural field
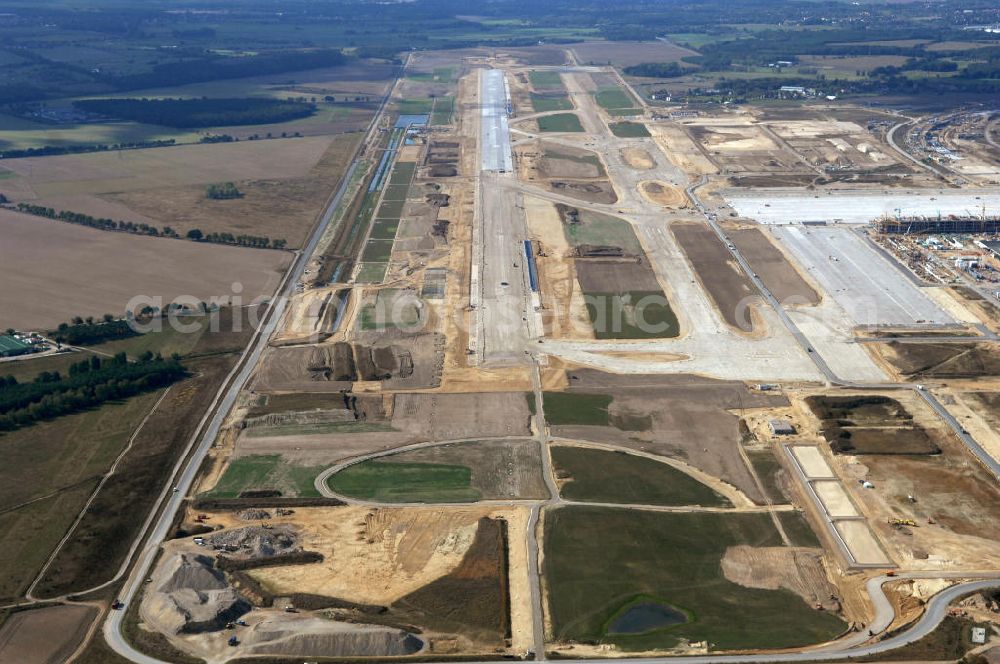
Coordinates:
[668,586]
[46,286]
[602,476]
[552,101]
[629,130]
[455,472]
[69,454]
[265,473]
[560,122]
[627,53]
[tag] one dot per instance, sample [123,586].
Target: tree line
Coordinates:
[105,224]
[256,241]
[89,383]
[200,112]
[80,331]
[50,150]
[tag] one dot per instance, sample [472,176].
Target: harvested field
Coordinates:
[719,274]
[499,468]
[638,159]
[460,416]
[595,475]
[44,636]
[799,570]
[672,561]
[943,360]
[134,170]
[777,273]
[615,276]
[50,268]
[295,196]
[663,194]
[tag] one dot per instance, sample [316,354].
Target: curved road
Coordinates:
[187,467]
[852,645]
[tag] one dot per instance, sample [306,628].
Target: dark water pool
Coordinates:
[646,616]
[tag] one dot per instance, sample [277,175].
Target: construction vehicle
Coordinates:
[894,521]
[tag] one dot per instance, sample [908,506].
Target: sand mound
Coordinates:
[313,637]
[663,194]
[638,159]
[256,542]
[794,568]
[191,596]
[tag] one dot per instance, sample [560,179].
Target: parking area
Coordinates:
[870,289]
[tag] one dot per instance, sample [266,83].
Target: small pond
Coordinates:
[644,617]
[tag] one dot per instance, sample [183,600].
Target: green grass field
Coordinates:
[560,122]
[372,273]
[415,106]
[613,98]
[599,561]
[395,192]
[385,229]
[629,130]
[266,472]
[444,109]
[602,229]
[798,530]
[622,112]
[393,208]
[615,477]
[377,251]
[631,315]
[551,102]
[575,408]
[405,482]
[541,80]
[402,172]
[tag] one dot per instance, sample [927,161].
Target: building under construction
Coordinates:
[971,224]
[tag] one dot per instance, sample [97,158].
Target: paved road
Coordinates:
[494,134]
[188,466]
[991,464]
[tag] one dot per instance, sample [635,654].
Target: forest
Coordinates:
[197,113]
[89,383]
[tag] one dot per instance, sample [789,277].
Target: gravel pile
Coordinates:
[256,542]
